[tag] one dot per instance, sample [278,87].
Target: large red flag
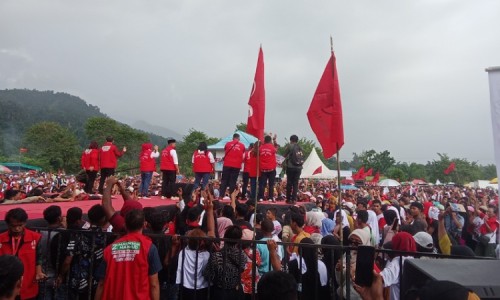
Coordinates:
[376,178]
[257,102]
[450,168]
[368,173]
[359,174]
[325,111]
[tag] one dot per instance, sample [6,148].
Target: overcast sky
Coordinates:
[411,72]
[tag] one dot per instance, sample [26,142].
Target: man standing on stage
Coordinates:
[294,159]
[169,166]
[233,158]
[267,166]
[109,155]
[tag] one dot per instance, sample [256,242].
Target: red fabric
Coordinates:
[146,162]
[325,111]
[376,178]
[234,151]
[90,158]
[167,161]
[267,154]
[359,175]
[109,154]
[450,168]
[252,165]
[257,101]
[311,229]
[27,255]
[127,268]
[369,172]
[493,225]
[403,241]
[201,162]
[318,170]
[245,161]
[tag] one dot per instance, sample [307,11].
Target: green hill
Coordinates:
[22,108]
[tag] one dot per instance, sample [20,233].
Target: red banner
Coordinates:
[257,101]
[325,111]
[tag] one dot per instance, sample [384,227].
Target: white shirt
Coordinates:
[390,274]
[173,153]
[189,269]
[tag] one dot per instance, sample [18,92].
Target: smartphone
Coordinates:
[364,265]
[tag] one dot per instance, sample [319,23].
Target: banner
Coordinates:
[494,80]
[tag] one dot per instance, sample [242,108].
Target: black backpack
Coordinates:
[296,156]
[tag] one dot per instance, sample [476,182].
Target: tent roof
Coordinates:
[15,165]
[245,138]
[312,163]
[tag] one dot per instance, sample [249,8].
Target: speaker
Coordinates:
[480,276]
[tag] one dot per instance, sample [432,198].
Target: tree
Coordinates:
[54,146]
[412,171]
[464,172]
[395,173]
[242,127]
[186,148]
[378,161]
[489,171]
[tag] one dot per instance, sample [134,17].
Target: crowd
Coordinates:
[148,253]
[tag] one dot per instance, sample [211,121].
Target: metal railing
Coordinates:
[56,254]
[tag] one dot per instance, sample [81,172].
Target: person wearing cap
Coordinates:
[424,242]
[169,166]
[109,155]
[233,158]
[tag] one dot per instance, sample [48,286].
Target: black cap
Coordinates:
[170,140]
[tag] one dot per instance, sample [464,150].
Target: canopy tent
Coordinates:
[245,138]
[313,167]
[15,166]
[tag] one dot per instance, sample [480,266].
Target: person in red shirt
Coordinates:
[90,163]
[169,166]
[267,167]
[130,265]
[108,155]
[147,165]
[25,244]
[203,165]
[489,229]
[233,158]
[246,172]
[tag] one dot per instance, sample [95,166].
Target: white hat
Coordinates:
[424,240]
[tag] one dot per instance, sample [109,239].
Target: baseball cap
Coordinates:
[424,240]
[128,206]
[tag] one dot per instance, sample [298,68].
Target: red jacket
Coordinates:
[267,157]
[109,154]
[146,162]
[167,161]
[27,254]
[90,158]
[127,268]
[252,165]
[234,151]
[246,158]
[201,162]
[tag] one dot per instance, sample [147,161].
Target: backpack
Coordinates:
[296,156]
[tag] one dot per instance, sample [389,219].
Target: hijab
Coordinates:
[403,241]
[364,235]
[222,224]
[327,226]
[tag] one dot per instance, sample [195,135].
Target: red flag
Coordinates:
[23,150]
[257,101]
[319,170]
[376,178]
[359,174]
[325,111]
[450,168]
[369,172]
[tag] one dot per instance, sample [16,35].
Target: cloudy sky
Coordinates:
[411,72]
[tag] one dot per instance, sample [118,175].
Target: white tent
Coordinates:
[314,165]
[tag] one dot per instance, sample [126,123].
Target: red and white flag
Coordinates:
[325,111]
[257,101]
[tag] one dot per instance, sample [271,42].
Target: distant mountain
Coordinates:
[159,130]
[21,108]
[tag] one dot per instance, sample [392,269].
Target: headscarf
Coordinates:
[314,218]
[327,226]
[403,241]
[345,222]
[222,224]
[364,235]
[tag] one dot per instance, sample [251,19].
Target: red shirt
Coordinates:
[167,161]
[201,162]
[27,254]
[147,163]
[246,158]
[493,225]
[90,158]
[234,151]
[127,268]
[109,154]
[267,157]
